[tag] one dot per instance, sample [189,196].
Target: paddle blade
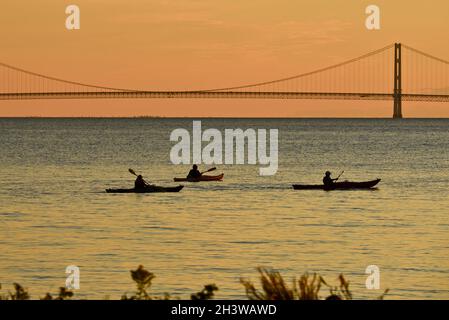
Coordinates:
[132,172]
[211,169]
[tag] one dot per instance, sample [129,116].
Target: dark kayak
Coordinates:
[150,189]
[344,185]
[202,178]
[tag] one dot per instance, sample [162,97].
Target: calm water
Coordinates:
[54,212]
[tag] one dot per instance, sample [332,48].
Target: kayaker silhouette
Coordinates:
[327,180]
[194,173]
[140,184]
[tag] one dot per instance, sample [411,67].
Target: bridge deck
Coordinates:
[218,95]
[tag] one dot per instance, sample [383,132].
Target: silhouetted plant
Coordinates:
[275,288]
[63,294]
[205,294]
[142,278]
[20,293]
[340,292]
[309,287]
[273,284]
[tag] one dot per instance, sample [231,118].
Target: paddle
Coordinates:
[340,175]
[134,173]
[211,169]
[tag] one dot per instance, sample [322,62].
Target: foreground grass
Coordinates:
[273,287]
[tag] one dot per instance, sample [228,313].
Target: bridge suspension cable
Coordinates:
[423,73]
[46,77]
[307,73]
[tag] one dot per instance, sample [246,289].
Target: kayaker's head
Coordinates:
[195,167]
[139,176]
[328,173]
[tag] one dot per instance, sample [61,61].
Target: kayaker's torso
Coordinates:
[327,181]
[194,174]
[139,184]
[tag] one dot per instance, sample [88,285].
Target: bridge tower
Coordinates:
[397,95]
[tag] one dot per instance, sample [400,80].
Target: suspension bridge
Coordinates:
[396,72]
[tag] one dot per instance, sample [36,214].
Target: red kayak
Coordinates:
[202,178]
[344,185]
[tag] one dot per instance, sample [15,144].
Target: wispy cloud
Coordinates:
[199,25]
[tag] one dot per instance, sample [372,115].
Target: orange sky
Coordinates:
[196,44]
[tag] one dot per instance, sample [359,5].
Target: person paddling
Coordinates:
[140,184]
[327,180]
[194,173]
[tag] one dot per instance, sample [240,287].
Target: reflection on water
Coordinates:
[54,213]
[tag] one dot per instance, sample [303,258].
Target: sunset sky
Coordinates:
[199,44]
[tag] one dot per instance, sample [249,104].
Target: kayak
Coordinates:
[202,178]
[150,189]
[344,185]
